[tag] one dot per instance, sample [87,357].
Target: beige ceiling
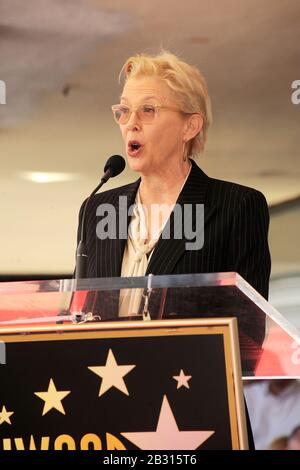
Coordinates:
[60,61]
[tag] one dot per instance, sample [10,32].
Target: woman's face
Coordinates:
[160,143]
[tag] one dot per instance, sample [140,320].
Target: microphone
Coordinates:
[113,167]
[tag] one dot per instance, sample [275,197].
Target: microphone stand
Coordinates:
[79,316]
[81,252]
[113,167]
[147,295]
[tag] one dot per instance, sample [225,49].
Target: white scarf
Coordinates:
[135,260]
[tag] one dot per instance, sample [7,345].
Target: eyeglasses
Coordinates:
[145,112]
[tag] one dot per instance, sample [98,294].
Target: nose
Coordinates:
[133,121]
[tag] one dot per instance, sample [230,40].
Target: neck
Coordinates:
[164,187]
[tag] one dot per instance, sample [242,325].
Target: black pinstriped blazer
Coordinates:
[236,225]
[235,235]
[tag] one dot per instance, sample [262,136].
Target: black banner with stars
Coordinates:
[161,385]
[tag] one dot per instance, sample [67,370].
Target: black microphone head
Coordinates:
[115,164]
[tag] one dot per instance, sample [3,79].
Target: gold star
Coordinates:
[5,415]
[112,374]
[182,379]
[52,398]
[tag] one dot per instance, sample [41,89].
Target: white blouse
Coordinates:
[138,252]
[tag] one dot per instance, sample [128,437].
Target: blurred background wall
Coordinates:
[60,62]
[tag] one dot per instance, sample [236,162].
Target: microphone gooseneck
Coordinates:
[113,167]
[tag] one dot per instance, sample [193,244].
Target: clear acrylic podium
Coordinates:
[75,375]
[269,344]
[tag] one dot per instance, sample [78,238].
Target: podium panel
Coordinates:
[158,385]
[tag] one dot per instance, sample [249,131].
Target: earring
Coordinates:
[184,152]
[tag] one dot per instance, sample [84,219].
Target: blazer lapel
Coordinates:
[110,251]
[168,251]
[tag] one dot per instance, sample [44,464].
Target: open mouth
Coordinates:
[134,147]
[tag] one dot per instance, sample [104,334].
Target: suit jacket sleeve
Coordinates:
[78,237]
[89,233]
[248,245]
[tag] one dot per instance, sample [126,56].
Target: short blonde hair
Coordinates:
[185,82]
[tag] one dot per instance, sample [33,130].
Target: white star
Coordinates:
[182,379]
[52,398]
[167,435]
[5,415]
[112,374]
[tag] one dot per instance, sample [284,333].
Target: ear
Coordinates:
[193,126]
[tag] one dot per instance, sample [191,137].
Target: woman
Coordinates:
[164,115]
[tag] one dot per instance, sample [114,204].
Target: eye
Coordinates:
[148,109]
[121,113]
[123,110]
